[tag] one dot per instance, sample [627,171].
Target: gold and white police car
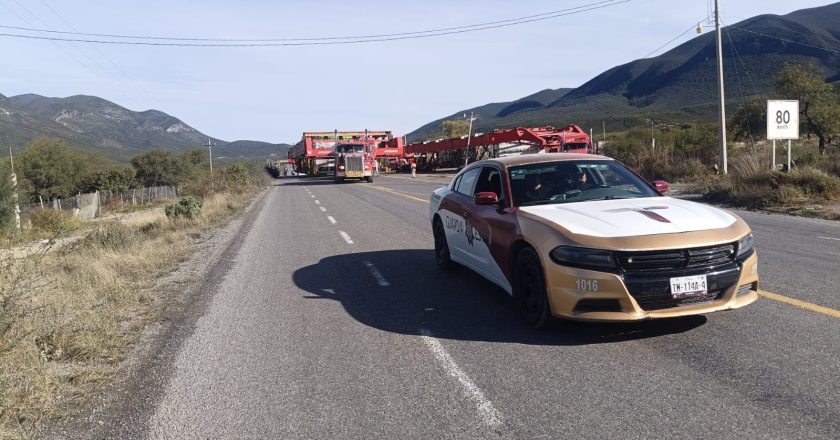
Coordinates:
[583,237]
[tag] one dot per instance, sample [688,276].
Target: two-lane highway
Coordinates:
[331,320]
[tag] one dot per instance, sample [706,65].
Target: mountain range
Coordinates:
[678,86]
[681,84]
[94,124]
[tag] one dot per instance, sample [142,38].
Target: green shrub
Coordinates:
[50,221]
[188,207]
[237,174]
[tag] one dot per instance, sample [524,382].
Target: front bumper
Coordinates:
[635,298]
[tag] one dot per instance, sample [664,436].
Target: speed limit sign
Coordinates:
[782,120]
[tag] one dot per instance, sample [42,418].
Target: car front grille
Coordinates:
[651,288]
[675,260]
[648,301]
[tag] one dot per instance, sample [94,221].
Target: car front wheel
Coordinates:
[529,291]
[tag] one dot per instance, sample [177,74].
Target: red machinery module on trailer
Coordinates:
[497,143]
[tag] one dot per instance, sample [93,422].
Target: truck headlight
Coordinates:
[341,167]
[584,258]
[746,245]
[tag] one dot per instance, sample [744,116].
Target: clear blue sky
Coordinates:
[272,94]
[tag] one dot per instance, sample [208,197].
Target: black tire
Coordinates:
[339,179]
[442,257]
[529,291]
[369,179]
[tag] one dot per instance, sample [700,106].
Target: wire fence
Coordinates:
[90,205]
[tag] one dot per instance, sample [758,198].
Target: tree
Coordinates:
[749,121]
[117,178]
[7,207]
[819,104]
[52,169]
[454,128]
[160,167]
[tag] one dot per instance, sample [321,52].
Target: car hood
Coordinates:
[632,217]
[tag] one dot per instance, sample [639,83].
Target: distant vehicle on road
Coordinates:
[583,237]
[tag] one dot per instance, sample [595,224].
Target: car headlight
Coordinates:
[745,245]
[583,257]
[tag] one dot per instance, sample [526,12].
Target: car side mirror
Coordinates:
[661,186]
[486,198]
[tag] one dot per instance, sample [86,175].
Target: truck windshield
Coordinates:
[570,181]
[350,148]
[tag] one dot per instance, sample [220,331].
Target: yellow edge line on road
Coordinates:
[801,304]
[769,295]
[390,191]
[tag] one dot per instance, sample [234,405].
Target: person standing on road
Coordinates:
[413,169]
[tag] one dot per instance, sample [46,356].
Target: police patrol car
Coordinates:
[583,237]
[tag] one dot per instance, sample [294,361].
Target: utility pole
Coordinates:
[721,95]
[14,189]
[469,138]
[210,145]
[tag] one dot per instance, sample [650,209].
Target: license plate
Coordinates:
[355,174]
[682,287]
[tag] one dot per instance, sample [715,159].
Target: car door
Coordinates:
[453,213]
[484,225]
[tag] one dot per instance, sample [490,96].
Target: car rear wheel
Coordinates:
[442,257]
[529,291]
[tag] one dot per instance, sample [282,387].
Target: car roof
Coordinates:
[527,159]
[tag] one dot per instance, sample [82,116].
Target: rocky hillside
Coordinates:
[681,84]
[96,125]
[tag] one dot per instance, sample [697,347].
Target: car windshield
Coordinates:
[570,181]
[349,148]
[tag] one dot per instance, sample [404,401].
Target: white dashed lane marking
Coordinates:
[331,219]
[345,237]
[317,202]
[323,209]
[376,274]
[486,411]
[829,238]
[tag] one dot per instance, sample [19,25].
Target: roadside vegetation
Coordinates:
[69,314]
[688,153]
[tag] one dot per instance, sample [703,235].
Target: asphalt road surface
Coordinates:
[327,318]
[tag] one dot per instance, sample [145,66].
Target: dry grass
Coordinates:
[752,184]
[68,317]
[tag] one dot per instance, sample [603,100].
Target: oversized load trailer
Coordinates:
[316,152]
[445,153]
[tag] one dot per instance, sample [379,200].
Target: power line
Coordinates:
[673,39]
[325,40]
[131,80]
[786,40]
[235,40]
[117,87]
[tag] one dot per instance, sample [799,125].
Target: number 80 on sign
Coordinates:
[782,120]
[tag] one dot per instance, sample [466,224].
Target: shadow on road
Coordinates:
[457,304]
[303,181]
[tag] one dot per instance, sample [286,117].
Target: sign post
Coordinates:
[782,124]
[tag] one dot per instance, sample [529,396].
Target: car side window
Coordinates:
[466,184]
[490,180]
